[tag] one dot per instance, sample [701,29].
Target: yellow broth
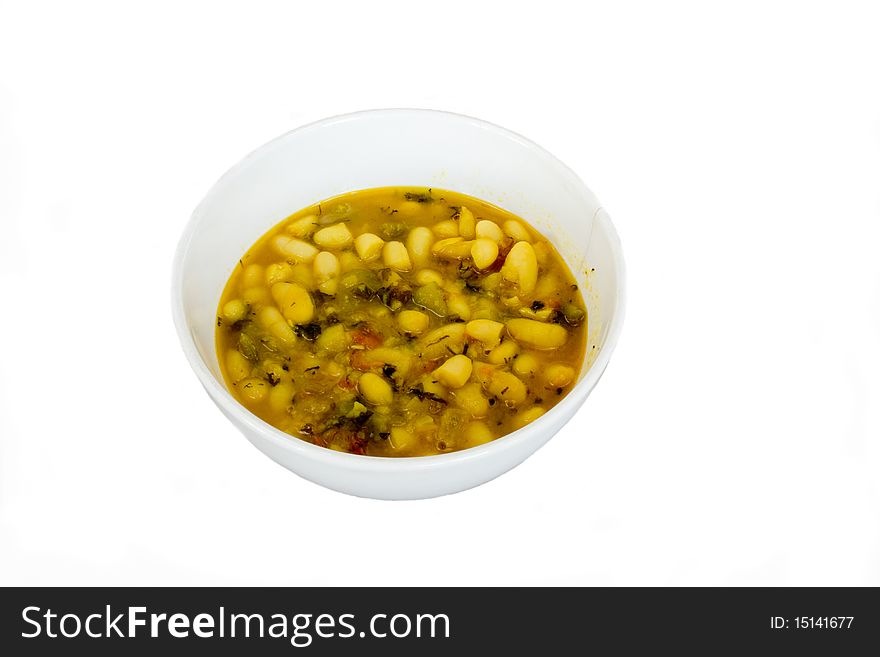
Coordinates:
[401,322]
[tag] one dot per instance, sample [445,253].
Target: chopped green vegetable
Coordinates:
[573,315]
[339,212]
[432,297]
[360,280]
[419,197]
[392,230]
[248,347]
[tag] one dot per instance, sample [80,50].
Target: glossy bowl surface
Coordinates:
[381,148]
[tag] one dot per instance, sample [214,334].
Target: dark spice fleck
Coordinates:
[308,332]
[537,305]
[361,420]
[438,340]
[419,197]
[420,393]
[312,368]
[286,368]
[388,370]
[467,271]
[558,391]
[491,401]
[307,429]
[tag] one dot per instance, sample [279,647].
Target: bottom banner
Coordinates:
[110,621]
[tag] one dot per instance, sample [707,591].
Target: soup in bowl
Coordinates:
[399,283]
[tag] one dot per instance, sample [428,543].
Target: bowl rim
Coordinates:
[357,462]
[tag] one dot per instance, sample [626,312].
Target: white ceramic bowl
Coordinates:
[384,148]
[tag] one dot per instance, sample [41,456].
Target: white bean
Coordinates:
[466,224]
[303,227]
[252,276]
[458,305]
[516,230]
[427,276]
[375,389]
[326,267]
[336,236]
[332,340]
[256,296]
[484,252]
[537,334]
[486,331]
[558,375]
[302,274]
[402,438]
[253,389]
[395,256]
[503,353]
[455,372]
[489,230]
[237,366]
[294,249]
[453,248]
[439,341]
[521,267]
[470,398]
[272,320]
[235,310]
[526,365]
[523,418]
[418,242]
[277,272]
[368,246]
[446,228]
[281,396]
[294,301]
[477,433]
[508,388]
[413,322]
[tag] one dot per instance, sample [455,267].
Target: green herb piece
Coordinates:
[248,348]
[392,230]
[432,297]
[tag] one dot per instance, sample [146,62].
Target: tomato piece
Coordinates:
[359,361]
[367,338]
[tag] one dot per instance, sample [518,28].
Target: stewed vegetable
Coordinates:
[401,322]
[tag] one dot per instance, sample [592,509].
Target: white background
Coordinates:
[734,439]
